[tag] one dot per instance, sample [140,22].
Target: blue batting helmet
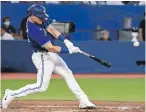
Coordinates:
[38,11]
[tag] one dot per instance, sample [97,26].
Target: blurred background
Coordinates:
[101,28]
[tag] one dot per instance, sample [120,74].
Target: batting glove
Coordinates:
[68,43]
[73,50]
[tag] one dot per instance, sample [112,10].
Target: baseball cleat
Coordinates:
[88,105]
[85,103]
[7,98]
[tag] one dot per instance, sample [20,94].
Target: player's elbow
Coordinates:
[50,48]
[54,49]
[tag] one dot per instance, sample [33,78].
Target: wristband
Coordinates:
[64,50]
[61,37]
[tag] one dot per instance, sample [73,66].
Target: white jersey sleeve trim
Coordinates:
[45,44]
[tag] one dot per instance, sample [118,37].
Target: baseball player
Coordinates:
[46,59]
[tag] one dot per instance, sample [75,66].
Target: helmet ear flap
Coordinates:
[29,13]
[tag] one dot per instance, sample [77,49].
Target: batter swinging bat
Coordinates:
[96,59]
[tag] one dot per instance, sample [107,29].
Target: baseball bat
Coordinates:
[103,62]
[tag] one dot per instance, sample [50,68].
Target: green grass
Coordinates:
[96,89]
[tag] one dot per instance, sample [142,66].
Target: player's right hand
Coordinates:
[73,50]
[68,43]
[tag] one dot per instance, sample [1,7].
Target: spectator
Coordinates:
[142,29]
[8,27]
[105,35]
[23,34]
[4,35]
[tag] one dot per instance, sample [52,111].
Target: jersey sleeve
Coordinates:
[39,36]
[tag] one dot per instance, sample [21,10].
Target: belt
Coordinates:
[36,51]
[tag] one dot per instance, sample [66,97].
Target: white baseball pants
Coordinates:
[46,63]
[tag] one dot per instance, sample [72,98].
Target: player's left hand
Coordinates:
[73,50]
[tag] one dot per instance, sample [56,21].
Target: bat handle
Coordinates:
[84,53]
[80,51]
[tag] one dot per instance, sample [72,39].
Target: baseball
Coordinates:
[136,44]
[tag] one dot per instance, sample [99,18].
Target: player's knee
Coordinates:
[69,71]
[40,87]
[43,88]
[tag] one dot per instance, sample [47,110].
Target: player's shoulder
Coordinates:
[33,27]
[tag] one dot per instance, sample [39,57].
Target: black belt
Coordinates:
[40,51]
